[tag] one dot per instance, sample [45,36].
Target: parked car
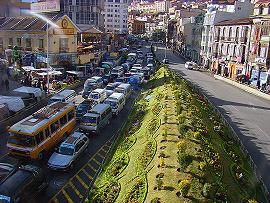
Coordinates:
[190,65]
[24,185]
[83,107]
[6,170]
[69,152]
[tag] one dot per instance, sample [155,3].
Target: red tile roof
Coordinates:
[239,21]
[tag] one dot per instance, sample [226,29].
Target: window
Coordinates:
[54,126]
[63,45]
[103,115]
[47,132]
[63,120]
[10,42]
[39,137]
[261,7]
[70,115]
[109,0]
[28,42]
[118,1]
[40,43]
[79,145]
[237,32]
[19,42]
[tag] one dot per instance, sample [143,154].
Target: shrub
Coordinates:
[155,200]
[179,109]
[182,146]
[203,165]
[184,160]
[181,118]
[197,135]
[161,163]
[159,182]
[183,128]
[165,110]
[184,187]
[206,189]
[252,201]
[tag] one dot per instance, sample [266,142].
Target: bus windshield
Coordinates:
[94,95]
[20,139]
[88,119]
[120,90]
[111,103]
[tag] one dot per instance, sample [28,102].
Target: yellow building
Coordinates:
[29,34]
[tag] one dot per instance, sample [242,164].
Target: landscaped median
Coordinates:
[174,149]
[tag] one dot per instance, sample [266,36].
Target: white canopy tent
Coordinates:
[78,73]
[14,103]
[30,90]
[50,73]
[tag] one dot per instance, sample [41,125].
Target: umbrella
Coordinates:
[106,66]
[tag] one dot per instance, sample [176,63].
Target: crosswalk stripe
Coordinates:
[90,177]
[92,167]
[66,195]
[100,155]
[96,161]
[81,181]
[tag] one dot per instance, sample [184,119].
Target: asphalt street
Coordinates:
[248,114]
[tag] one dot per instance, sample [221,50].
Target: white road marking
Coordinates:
[252,105]
[262,131]
[235,108]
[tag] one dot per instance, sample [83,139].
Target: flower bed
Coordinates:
[117,166]
[107,193]
[156,109]
[137,192]
[229,149]
[126,144]
[159,96]
[221,195]
[146,156]
[241,177]
[153,125]
[214,163]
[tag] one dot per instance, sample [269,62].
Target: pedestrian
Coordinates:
[8,73]
[45,89]
[7,85]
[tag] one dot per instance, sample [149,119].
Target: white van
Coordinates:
[68,96]
[96,119]
[98,95]
[116,101]
[125,89]
[117,71]
[95,82]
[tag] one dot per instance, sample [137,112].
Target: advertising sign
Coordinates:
[47,6]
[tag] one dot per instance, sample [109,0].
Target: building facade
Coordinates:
[231,48]
[116,16]
[136,27]
[85,14]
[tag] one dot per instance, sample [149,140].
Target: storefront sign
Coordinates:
[48,6]
[64,31]
[41,58]
[260,60]
[263,51]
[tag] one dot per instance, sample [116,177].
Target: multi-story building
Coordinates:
[136,27]
[260,38]
[196,38]
[231,47]
[163,6]
[214,16]
[85,14]
[116,16]
[150,27]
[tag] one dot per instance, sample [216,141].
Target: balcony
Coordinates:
[64,50]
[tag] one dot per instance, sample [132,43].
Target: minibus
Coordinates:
[116,101]
[64,96]
[98,95]
[96,119]
[125,89]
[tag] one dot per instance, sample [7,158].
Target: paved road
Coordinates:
[248,115]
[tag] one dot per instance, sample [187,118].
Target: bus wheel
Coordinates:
[40,155]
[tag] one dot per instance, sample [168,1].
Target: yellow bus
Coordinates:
[38,133]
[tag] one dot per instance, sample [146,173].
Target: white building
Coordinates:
[163,6]
[116,16]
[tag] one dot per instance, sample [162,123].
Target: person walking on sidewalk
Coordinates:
[7,85]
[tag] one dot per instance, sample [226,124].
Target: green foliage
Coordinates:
[179,109]
[182,146]
[203,165]
[184,187]
[206,189]
[161,163]
[183,128]
[159,182]
[181,118]
[197,135]
[184,160]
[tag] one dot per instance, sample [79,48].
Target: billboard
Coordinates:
[227,2]
[47,6]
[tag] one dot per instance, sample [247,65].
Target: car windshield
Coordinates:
[4,171]
[109,88]
[66,149]
[111,103]
[20,139]
[94,96]
[89,119]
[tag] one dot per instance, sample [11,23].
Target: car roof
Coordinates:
[73,139]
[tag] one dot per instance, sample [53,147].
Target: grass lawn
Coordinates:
[145,164]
